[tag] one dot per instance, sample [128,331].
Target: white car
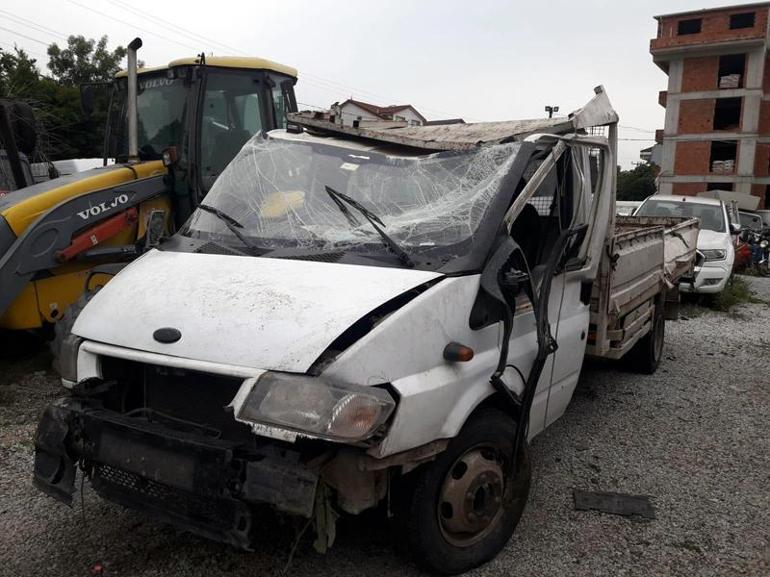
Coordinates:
[715,241]
[626,207]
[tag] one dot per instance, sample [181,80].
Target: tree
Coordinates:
[63,130]
[18,74]
[637,183]
[84,61]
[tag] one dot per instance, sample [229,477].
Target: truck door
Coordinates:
[536,230]
[585,211]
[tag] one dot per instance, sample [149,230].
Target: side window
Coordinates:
[279,106]
[564,200]
[248,109]
[538,225]
[232,114]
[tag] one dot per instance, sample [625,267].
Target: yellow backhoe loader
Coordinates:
[172,130]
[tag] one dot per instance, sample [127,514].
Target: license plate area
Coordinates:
[155,463]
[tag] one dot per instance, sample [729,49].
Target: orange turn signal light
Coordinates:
[457,353]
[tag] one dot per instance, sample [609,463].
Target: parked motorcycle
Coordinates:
[759,243]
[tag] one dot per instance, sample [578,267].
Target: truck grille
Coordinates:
[133,489]
[190,396]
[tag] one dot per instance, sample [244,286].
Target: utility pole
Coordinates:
[550,110]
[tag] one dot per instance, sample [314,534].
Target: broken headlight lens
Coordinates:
[714,254]
[317,407]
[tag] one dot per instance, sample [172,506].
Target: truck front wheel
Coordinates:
[462,508]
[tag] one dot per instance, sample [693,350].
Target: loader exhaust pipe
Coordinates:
[133,130]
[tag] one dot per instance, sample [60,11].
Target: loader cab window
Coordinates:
[232,113]
[161,108]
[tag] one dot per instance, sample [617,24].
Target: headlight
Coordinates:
[763,243]
[714,254]
[317,407]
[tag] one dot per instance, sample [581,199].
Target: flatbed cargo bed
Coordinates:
[644,259]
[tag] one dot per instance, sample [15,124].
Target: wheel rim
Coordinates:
[471,498]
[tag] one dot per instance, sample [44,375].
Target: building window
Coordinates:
[743,20]
[767,196]
[727,113]
[731,69]
[723,156]
[688,26]
[719,186]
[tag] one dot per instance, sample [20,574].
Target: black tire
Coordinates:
[426,521]
[63,327]
[646,355]
[24,127]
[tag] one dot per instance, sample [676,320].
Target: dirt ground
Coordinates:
[694,437]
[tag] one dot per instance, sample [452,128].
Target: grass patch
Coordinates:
[737,292]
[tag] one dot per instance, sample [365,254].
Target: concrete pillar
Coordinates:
[755,66]
[747,149]
[665,188]
[675,70]
[750,113]
[669,153]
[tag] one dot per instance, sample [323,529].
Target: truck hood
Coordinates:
[264,313]
[708,239]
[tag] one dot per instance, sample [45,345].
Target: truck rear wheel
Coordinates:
[462,508]
[645,356]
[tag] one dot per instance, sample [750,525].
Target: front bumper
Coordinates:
[189,478]
[710,278]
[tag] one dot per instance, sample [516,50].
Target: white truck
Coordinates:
[357,317]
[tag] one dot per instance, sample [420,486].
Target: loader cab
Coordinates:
[205,110]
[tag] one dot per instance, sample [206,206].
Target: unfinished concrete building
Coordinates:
[717,129]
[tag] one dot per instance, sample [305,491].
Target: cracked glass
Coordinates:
[276,189]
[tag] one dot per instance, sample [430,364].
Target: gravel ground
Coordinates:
[693,436]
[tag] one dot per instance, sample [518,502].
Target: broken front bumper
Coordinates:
[189,478]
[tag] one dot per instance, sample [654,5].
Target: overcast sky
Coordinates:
[477,59]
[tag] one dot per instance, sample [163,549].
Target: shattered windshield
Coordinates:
[276,190]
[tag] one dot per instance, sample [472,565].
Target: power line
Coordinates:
[24,36]
[331,86]
[182,31]
[32,24]
[105,15]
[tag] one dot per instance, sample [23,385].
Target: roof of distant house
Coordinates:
[384,112]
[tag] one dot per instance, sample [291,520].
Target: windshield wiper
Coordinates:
[232,224]
[373,219]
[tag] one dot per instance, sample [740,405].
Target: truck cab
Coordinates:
[358,316]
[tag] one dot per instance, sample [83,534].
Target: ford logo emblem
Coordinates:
[167,335]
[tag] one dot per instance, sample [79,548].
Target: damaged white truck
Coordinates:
[357,318]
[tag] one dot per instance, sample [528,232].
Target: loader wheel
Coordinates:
[645,356]
[460,510]
[63,327]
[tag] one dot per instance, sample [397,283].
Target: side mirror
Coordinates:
[735,228]
[170,157]
[87,99]
[156,226]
